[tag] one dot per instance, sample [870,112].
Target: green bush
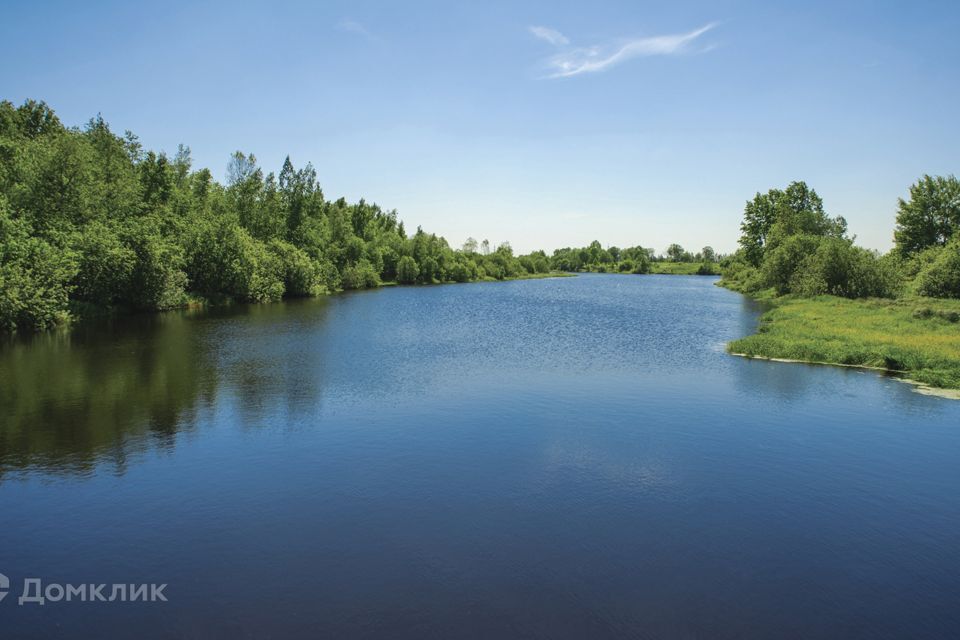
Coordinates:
[329,276]
[841,269]
[429,270]
[407,270]
[157,281]
[360,276]
[707,269]
[781,263]
[941,277]
[105,265]
[34,278]
[300,275]
[459,272]
[224,259]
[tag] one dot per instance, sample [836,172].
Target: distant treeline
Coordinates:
[790,245]
[632,259]
[89,220]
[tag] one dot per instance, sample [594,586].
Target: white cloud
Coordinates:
[552,36]
[600,57]
[348,25]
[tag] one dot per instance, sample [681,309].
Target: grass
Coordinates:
[679,268]
[918,337]
[667,268]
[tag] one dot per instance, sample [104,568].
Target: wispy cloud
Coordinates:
[552,36]
[348,25]
[599,57]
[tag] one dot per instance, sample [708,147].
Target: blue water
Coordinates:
[561,458]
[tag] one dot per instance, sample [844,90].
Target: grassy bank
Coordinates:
[685,268]
[918,337]
[663,268]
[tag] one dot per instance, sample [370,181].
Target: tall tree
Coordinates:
[930,217]
[779,214]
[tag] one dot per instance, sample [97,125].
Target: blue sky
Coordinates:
[547,124]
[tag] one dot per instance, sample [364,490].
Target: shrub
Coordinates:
[34,280]
[941,277]
[105,265]
[157,280]
[707,269]
[841,269]
[300,275]
[429,270]
[459,272]
[780,264]
[329,276]
[407,270]
[360,276]
[224,258]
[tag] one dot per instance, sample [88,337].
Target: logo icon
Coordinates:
[4,585]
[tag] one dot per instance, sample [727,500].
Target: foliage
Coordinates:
[931,217]
[91,216]
[407,270]
[818,266]
[773,217]
[839,268]
[35,278]
[105,265]
[360,276]
[941,277]
[595,258]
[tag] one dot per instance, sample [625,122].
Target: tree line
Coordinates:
[89,220]
[789,244]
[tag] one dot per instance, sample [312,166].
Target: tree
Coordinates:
[931,217]
[708,254]
[34,278]
[675,253]
[778,214]
[407,270]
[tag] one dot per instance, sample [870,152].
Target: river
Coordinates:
[558,458]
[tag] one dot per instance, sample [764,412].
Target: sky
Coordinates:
[545,124]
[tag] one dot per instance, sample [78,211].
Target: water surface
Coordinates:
[560,458]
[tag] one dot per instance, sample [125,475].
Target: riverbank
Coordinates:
[664,268]
[81,311]
[685,268]
[917,338]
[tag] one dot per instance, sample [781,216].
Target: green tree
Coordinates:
[34,278]
[779,214]
[407,270]
[675,252]
[931,217]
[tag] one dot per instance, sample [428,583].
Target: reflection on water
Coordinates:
[551,458]
[106,391]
